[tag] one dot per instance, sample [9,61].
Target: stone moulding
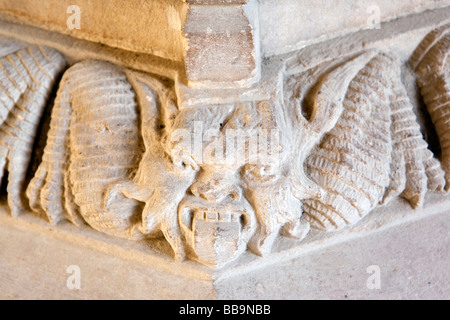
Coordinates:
[204,36]
[122,153]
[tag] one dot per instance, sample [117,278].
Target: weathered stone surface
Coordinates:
[219,157]
[221,46]
[288,25]
[222,39]
[131,154]
[152,27]
[411,251]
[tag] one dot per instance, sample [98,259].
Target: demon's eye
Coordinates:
[259,173]
[183,161]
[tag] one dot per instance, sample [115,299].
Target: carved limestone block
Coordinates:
[121,25]
[124,158]
[203,145]
[432,66]
[321,150]
[119,156]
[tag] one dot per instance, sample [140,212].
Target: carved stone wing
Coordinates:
[374,153]
[432,65]
[27,77]
[94,142]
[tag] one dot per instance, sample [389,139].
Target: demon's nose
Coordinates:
[216,186]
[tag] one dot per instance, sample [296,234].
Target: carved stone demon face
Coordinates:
[217,180]
[240,195]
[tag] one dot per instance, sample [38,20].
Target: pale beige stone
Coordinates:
[188,196]
[152,27]
[14,36]
[288,25]
[221,45]
[180,195]
[209,36]
[323,267]
[138,146]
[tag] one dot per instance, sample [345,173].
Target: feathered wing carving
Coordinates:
[93,142]
[374,153]
[27,77]
[422,172]
[432,65]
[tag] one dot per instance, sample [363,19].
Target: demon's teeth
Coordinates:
[235,217]
[200,215]
[225,216]
[212,216]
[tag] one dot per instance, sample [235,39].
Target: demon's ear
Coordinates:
[325,104]
[325,100]
[157,107]
[148,101]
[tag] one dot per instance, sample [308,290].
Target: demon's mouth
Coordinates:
[215,233]
[190,216]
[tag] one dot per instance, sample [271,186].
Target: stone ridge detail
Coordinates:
[121,155]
